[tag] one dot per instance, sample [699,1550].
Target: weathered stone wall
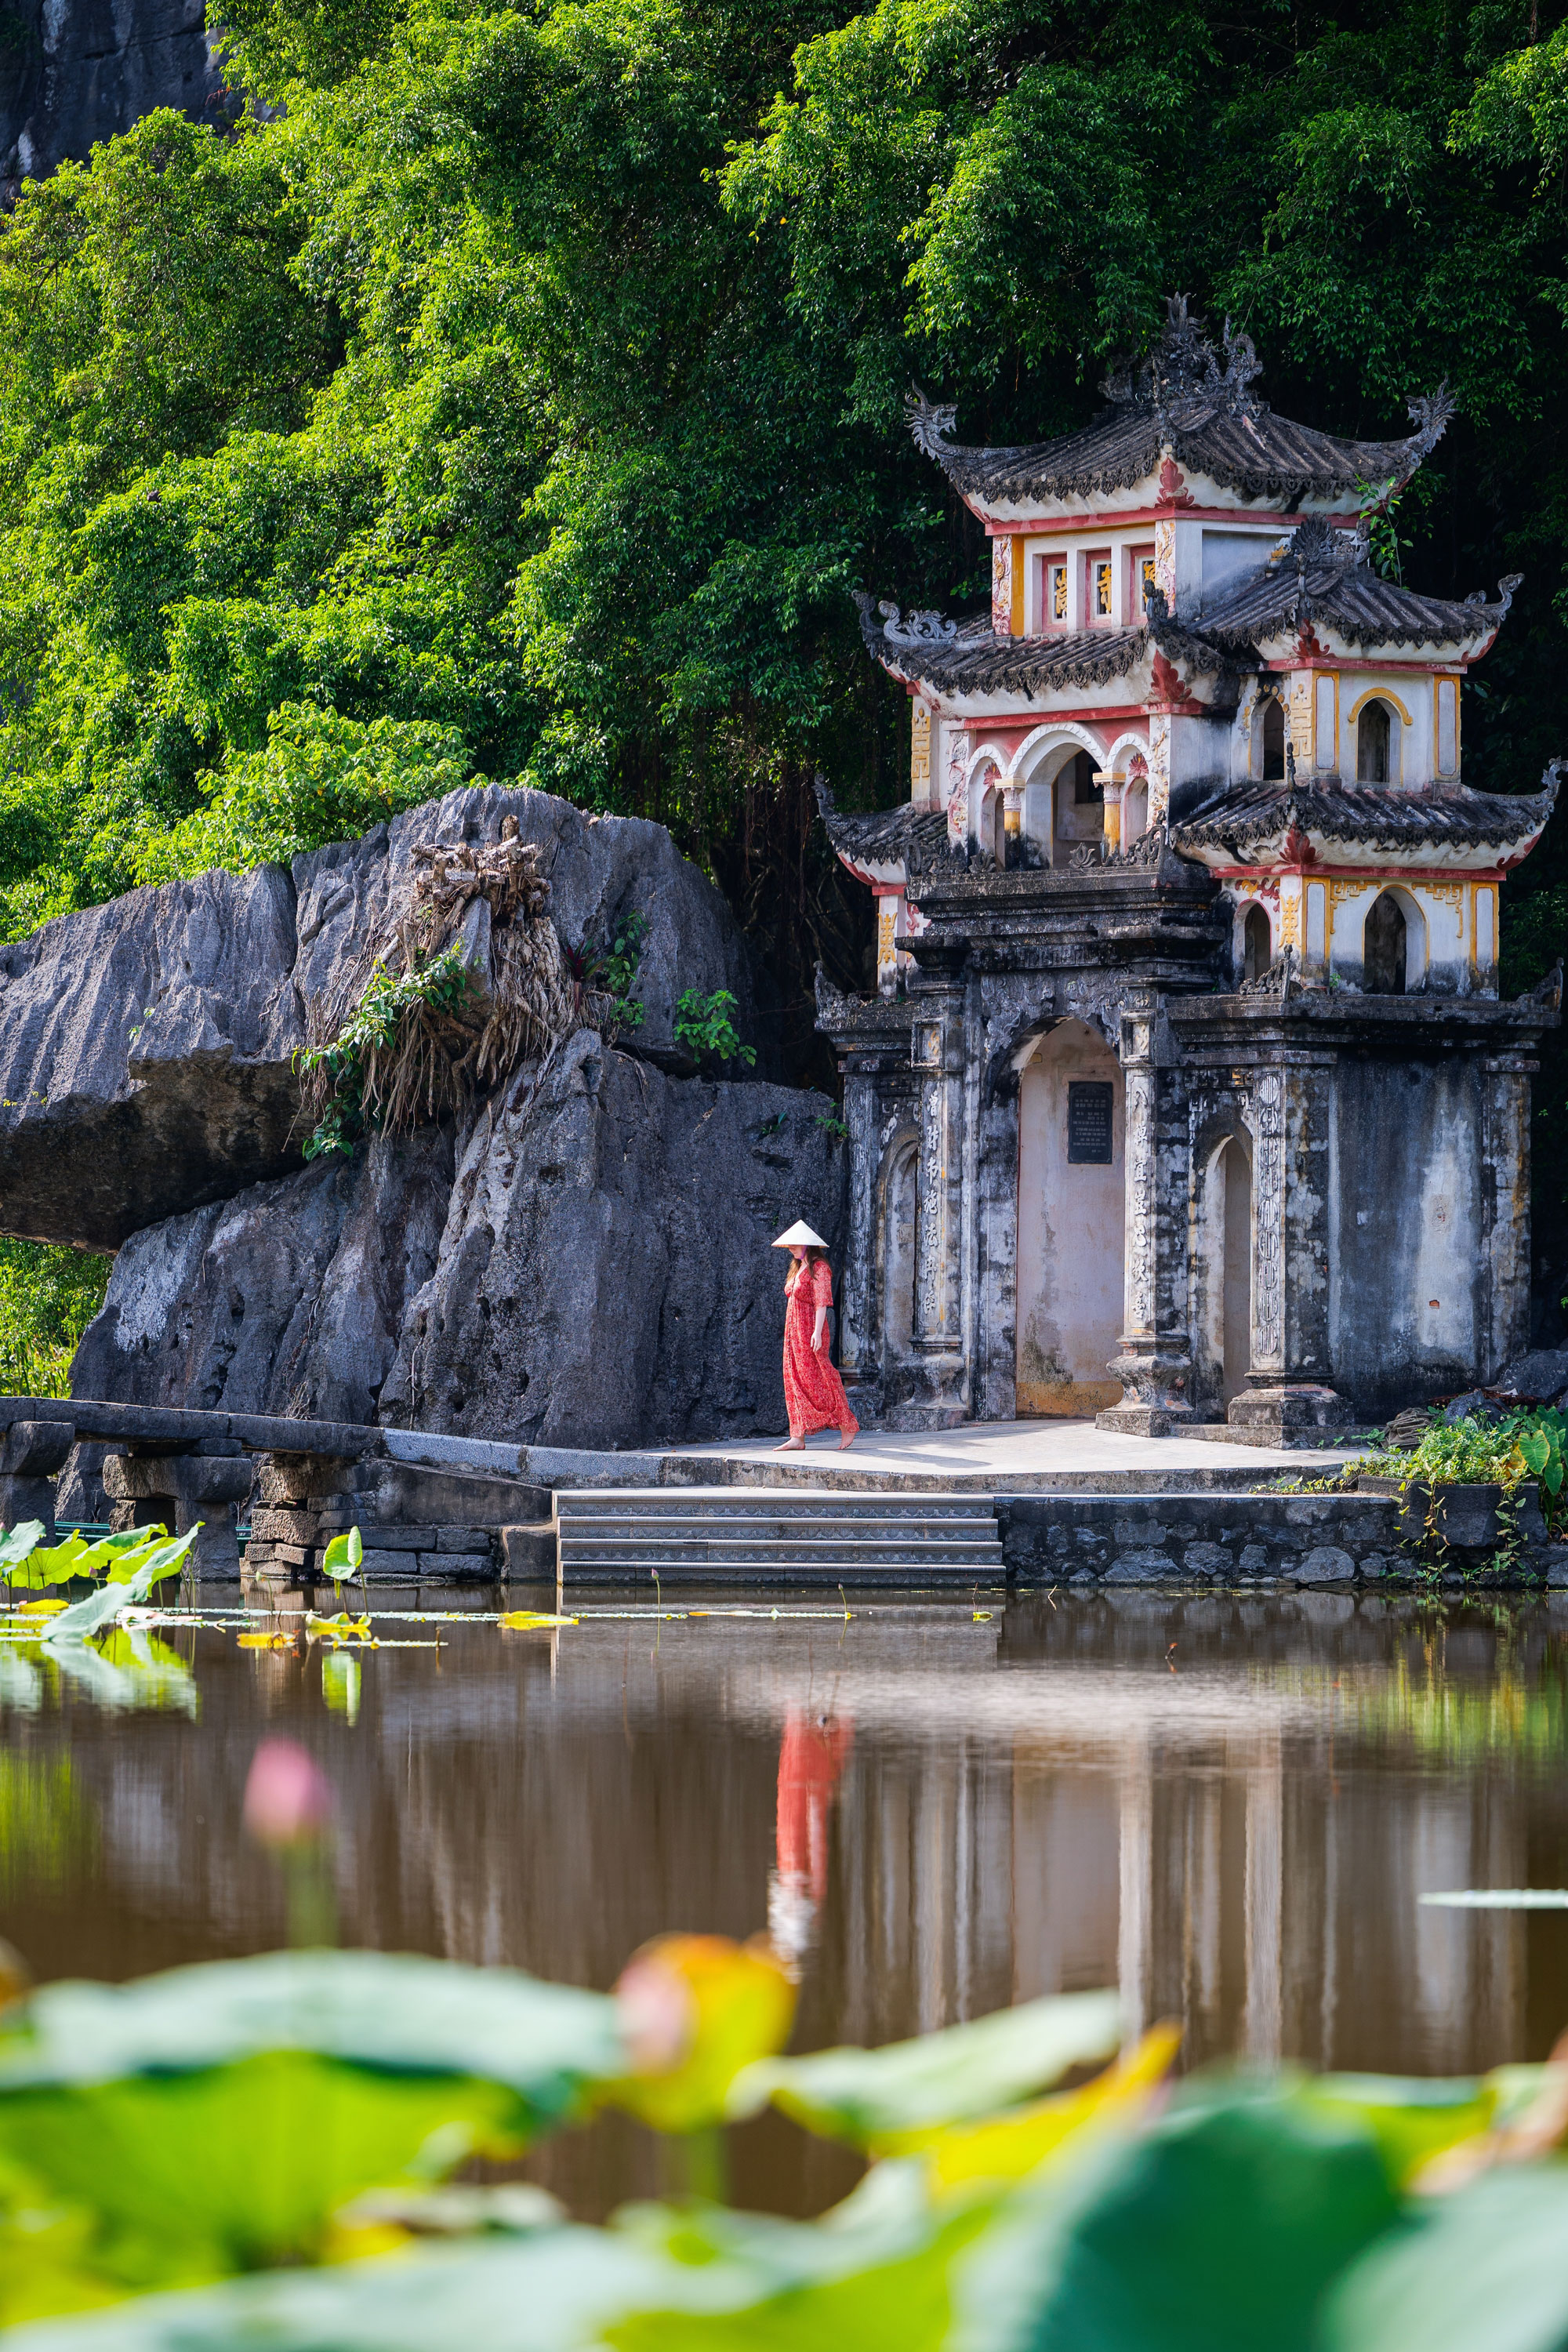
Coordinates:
[73,72]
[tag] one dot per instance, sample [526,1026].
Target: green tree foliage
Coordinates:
[48,1298]
[518,392]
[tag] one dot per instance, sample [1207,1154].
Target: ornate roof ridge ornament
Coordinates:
[1315,542]
[1183,372]
[931,423]
[915,629]
[1431,414]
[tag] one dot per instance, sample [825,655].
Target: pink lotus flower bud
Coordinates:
[288,1797]
[658,2013]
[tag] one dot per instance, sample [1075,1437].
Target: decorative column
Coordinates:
[938,1057]
[1289,1381]
[1155,1365]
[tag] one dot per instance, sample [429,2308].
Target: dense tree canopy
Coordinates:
[518,392]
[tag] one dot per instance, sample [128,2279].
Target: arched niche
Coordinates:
[1269,737]
[1394,944]
[1257,941]
[1377,724]
[1071,1213]
[898,1205]
[1040,763]
[1223,1266]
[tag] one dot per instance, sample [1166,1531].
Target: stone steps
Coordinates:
[696,1535]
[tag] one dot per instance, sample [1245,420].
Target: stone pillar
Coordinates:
[302,1501]
[33,1450]
[938,1062]
[181,1490]
[1288,1384]
[1155,1365]
[859,1356]
[1503,1324]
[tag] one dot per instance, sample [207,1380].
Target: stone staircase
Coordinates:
[752,1535]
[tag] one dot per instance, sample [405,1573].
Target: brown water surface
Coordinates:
[938,1814]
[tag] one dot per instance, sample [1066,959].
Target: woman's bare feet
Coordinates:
[791,1445]
[847,1440]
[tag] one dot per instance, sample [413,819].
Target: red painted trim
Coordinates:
[1097,715]
[1133,518]
[1316,873]
[1349,668]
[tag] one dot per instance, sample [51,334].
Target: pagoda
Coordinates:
[1187,1097]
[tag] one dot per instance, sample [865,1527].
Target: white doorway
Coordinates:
[1071,1213]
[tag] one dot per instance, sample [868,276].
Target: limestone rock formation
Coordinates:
[605,1275]
[583,1258]
[75,71]
[146,1045]
[598,1274]
[288,1298]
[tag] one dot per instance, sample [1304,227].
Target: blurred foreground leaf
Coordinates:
[1483,2270]
[893,2099]
[251,2098]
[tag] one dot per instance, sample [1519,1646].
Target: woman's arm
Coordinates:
[822,1292]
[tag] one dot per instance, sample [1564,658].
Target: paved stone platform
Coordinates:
[1015,1457]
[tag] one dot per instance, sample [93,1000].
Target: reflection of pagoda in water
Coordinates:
[1187,1091]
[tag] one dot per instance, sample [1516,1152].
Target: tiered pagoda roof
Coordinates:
[1334,823]
[1186,403]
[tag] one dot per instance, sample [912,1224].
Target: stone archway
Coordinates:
[1071,1219]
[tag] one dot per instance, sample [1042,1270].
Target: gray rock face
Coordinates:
[605,1274]
[289,1297]
[600,1272]
[75,71]
[146,1045]
[1543,1373]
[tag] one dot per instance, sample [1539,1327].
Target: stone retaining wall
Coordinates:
[1209,1539]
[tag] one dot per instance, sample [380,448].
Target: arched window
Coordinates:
[1382,951]
[1080,805]
[1273,738]
[1372,734]
[999,826]
[1256,944]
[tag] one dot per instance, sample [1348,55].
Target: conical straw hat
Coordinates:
[799,1236]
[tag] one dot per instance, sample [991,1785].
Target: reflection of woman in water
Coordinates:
[812,1389]
[815,1751]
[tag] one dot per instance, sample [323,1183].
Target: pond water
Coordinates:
[1229,1804]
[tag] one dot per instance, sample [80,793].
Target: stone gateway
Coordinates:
[1187,1095]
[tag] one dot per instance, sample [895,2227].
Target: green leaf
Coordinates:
[1480,2270]
[883,2099]
[1219,2230]
[342,1556]
[131,1579]
[1410,2120]
[253,2097]
[555,2293]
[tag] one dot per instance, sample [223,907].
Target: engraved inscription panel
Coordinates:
[1089,1107]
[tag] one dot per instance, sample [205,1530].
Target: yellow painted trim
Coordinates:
[1019,568]
[1377,694]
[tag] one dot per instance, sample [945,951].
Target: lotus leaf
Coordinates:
[342,1556]
[1219,2228]
[558,2292]
[895,2098]
[1482,2270]
[253,2097]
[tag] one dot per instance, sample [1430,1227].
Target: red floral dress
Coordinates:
[812,1389]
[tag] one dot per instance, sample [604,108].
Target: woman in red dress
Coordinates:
[812,1389]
